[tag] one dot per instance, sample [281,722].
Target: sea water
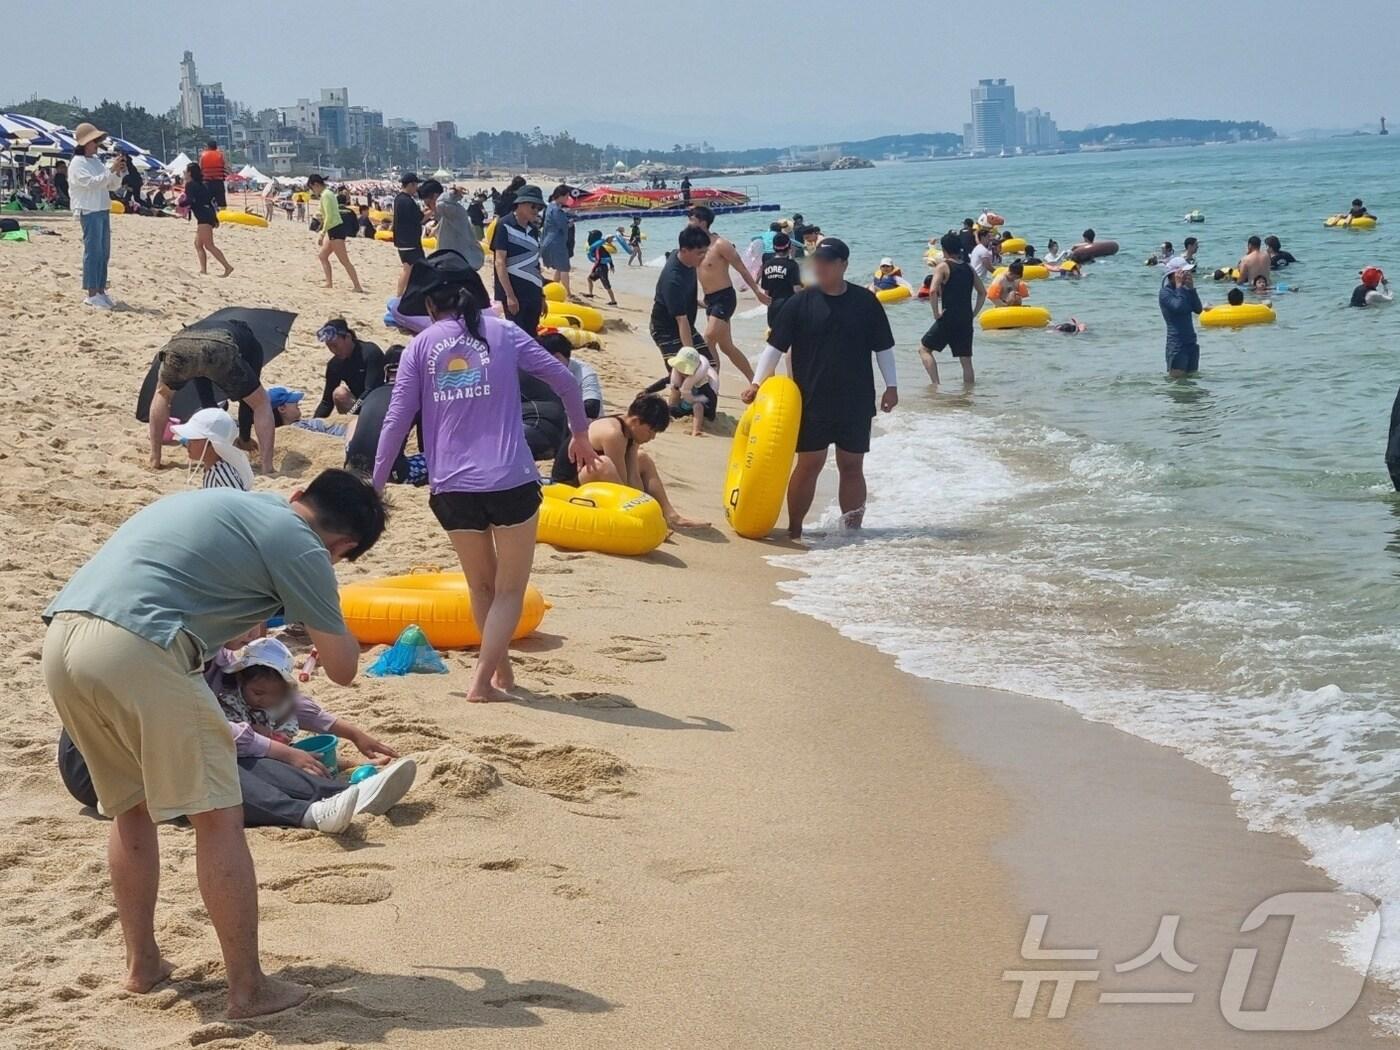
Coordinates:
[1212,564]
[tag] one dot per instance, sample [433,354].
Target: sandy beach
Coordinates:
[714,822]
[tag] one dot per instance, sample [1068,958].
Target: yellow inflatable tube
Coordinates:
[439,602]
[760,459]
[573,315]
[241,218]
[1003,317]
[601,516]
[1366,222]
[555,292]
[1237,316]
[1033,272]
[429,243]
[897,294]
[376,216]
[117,208]
[1014,245]
[578,338]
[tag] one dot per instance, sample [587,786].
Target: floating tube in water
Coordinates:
[760,459]
[1030,272]
[241,218]
[572,315]
[897,294]
[1002,317]
[1097,250]
[1195,216]
[1345,222]
[601,516]
[1014,245]
[1228,316]
[439,602]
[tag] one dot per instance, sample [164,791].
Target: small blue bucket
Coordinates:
[323,746]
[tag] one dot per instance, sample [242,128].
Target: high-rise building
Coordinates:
[333,117]
[203,105]
[1038,130]
[995,125]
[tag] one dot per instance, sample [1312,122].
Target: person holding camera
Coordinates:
[90,182]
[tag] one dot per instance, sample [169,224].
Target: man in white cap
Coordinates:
[209,438]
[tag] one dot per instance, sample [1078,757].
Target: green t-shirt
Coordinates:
[213,563]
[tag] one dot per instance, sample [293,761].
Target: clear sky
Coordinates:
[734,73]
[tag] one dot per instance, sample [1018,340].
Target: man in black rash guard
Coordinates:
[355,368]
[950,296]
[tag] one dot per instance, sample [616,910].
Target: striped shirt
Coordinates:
[522,254]
[222,476]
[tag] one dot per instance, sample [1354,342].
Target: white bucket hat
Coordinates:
[266,652]
[216,426]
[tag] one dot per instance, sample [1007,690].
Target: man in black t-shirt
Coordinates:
[779,275]
[830,331]
[408,227]
[355,368]
[676,304]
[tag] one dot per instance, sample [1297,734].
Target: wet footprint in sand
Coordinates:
[341,884]
[683,873]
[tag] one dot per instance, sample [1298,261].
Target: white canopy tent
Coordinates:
[179,164]
[252,174]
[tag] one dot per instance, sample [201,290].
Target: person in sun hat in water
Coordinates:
[209,438]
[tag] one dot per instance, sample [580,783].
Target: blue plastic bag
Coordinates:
[411,654]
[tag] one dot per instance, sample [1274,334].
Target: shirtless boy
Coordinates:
[721,300]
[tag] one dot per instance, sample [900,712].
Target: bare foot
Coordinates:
[156,464]
[697,433]
[271,996]
[328,285]
[504,678]
[489,695]
[227,270]
[679,522]
[358,290]
[147,977]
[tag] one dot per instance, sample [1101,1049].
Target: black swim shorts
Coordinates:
[211,354]
[479,511]
[848,435]
[218,193]
[411,255]
[943,336]
[721,304]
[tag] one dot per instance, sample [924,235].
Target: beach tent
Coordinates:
[442,173]
[179,164]
[252,174]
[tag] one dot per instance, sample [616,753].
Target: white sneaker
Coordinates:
[97,301]
[382,791]
[333,815]
[111,303]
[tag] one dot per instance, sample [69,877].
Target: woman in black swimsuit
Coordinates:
[206,217]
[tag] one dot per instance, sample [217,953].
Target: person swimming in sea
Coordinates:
[1278,258]
[1374,289]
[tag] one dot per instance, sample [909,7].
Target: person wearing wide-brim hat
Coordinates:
[515,254]
[89,183]
[461,376]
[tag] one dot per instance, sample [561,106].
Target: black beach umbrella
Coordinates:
[270,327]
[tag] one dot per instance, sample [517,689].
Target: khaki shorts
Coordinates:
[143,718]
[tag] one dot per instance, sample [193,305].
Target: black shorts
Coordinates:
[600,273]
[530,299]
[339,233]
[410,255]
[957,337]
[774,308]
[218,194]
[670,346]
[849,435]
[721,304]
[479,511]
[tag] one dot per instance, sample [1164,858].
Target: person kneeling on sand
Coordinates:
[617,440]
[691,377]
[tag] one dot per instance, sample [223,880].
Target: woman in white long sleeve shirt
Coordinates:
[89,181]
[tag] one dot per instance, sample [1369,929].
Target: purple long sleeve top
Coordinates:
[468,392]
